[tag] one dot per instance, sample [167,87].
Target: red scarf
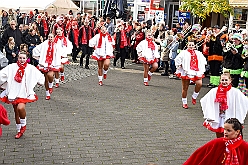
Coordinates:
[100,39]
[75,34]
[45,26]
[61,38]
[20,72]
[123,37]
[49,55]
[193,60]
[231,145]
[92,24]
[150,44]
[84,37]
[221,96]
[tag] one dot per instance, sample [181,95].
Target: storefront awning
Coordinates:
[239,3]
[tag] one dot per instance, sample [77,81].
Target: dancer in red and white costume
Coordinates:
[190,65]
[49,61]
[229,150]
[221,103]
[148,53]
[103,44]
[18,80]
[65,48]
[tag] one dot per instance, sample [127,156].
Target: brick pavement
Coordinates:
[121,122]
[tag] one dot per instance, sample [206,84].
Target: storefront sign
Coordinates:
[182,16]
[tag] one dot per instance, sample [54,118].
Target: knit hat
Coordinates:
[237,36]
[3,118]
[59,19]
[196,27]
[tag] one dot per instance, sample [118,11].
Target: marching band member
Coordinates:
[244,73]
[148,54]
[73,37]
[190,66]
[18,80]
[233,61]
[215,57]
[103,44]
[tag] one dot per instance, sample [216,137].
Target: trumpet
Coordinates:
[229,46]
[213,36]
[244,54]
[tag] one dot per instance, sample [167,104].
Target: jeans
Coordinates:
[172,66]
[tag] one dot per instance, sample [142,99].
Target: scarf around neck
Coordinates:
[100,39]
[49,55]
[20,72]
[221,96]
[231,145]
[150,44]
[61,38]
[84,37]
[45,26]
[123,37]
[193,60]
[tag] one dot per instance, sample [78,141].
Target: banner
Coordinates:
[154,5]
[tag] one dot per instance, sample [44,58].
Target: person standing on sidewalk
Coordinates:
[49,62]
[148,53]
[120,45]
[18,80]
[190,65]
[221,103]
[103,44]
[85,34]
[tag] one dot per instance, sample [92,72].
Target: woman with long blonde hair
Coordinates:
[11,50]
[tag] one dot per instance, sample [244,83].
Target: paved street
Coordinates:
[121,122]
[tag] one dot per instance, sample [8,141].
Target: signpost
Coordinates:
[182,16]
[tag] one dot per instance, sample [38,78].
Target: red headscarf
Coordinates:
[49,55]
[150,44]
[231,145]
[84,37]
[221,96]
[193,60]
[20,72]
[61,38]
[100,39]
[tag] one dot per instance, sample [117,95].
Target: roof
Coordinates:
[239,3]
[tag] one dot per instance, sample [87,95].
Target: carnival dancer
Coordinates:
[120,45]
[221,103]
[148,53]
[73,37]
[103,44]
[190,65]
[233,61]
[65,48]
[215,57]
[49,61]
[85,34]
[59,24]
[18,80]
[229,150]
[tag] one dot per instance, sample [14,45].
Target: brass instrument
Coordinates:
[213,36]
[244,54]
[229,46]
[185,32]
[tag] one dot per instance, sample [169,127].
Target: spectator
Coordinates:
[12,31]
[110,26]
[237,29]
[11,50]
[4,20]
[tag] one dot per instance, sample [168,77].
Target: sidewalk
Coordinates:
[121,122]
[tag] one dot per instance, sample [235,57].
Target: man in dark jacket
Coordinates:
[12,31]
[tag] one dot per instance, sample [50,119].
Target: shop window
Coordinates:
[240,17]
